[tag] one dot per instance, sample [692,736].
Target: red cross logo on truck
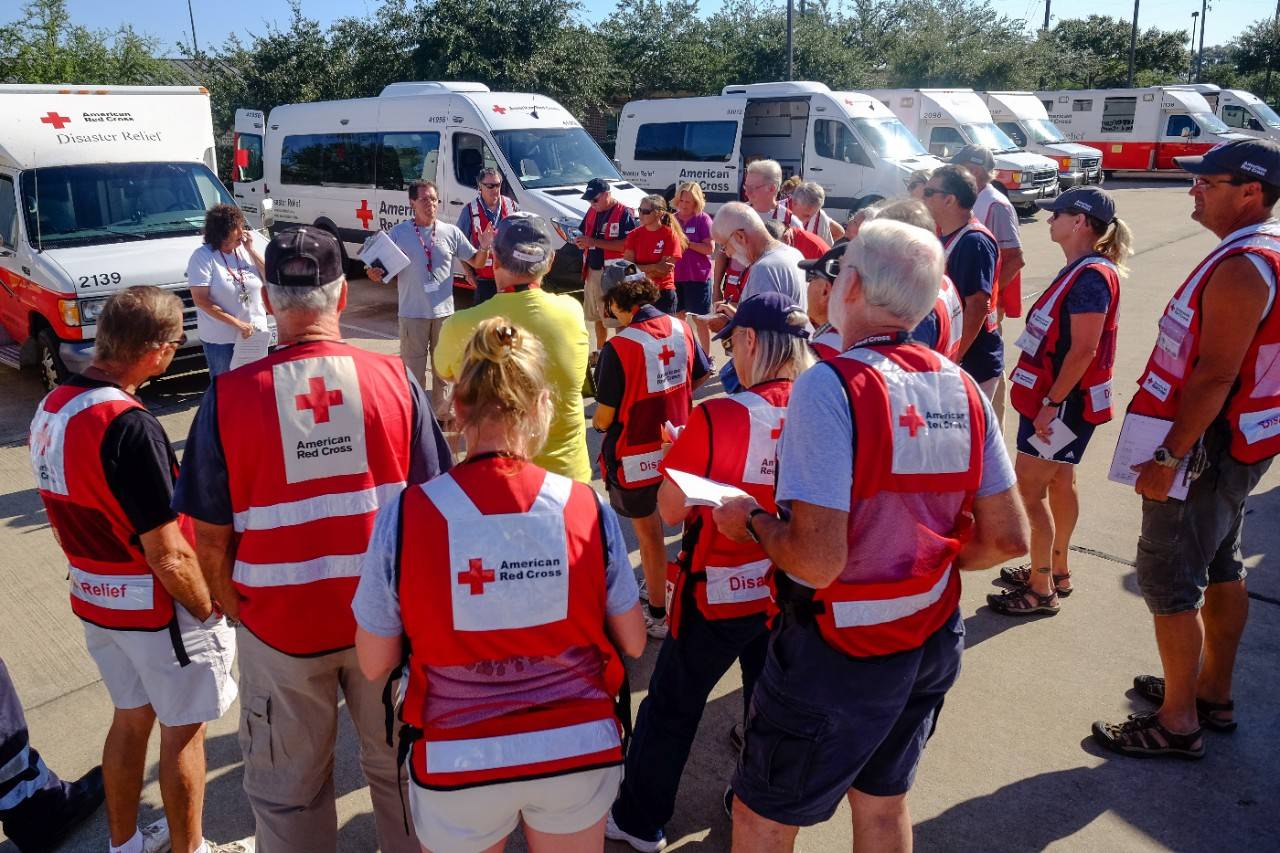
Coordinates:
[666,354]
[364,214]
[911,420]
[318,399]
[56,120]
[476,576]
[499,110]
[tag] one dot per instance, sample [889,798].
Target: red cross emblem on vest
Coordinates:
[364,214]
[41,439]
[318,399]
[666,354]
[476,576]
[911,420]
[776,433]
[56,120]
[499,110]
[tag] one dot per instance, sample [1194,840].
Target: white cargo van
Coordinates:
[345,166]
[1137,129]
[946,120]
[1240,110]
[1024,120]
[101,188]
[847,142]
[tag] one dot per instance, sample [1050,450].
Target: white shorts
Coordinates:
[593,308]
[475,819]
[141,668]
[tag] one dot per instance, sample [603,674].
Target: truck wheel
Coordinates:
[52,371]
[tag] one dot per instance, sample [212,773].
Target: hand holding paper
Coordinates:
[699,491]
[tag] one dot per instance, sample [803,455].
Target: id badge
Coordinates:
[1173,345]
[1033,335]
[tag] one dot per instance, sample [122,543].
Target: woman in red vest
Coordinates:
[1061,388]
[514,592]
[644,382]
[655,247]
[719,588]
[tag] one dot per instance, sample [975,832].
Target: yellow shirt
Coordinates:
[557,321]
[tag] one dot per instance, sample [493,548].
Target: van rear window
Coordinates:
[1117,114]
[693,141]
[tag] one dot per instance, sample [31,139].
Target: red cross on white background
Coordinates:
[318,399]
[364,214]
[56,120]
[41,439]
[666,354]
[499,110]
[777,433]
[911,420]
[476,576]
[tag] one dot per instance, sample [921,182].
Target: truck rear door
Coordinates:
[247,180]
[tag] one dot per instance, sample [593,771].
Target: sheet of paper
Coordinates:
[1060,435]
[699,491]
[252,348]
[672,431]
[380,251]
[1139,437]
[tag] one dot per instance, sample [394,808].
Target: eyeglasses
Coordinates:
[1205,183]
[496,186]
[181,341]
[930,192]
[644,210]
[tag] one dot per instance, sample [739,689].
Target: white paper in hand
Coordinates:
[1139,437]
[381,251]
[699,491]
[1060,435]
[252,348]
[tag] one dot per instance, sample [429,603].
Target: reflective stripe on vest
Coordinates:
[480,221]
[948,310]
[878,611]
[49,432]
[114,592]
[502,752]
[313,509]
[828,344]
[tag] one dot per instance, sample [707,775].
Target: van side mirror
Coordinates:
[1188,132]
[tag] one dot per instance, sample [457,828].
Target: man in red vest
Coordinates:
[104,469]
[288,460]
[1214,379]
[485,212]
[604,231]
[888,436]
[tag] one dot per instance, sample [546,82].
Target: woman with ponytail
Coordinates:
[656,246]
[510,590]
[1061,388]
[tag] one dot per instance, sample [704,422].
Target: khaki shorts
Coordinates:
[475,819]
[142,668]
[593,301]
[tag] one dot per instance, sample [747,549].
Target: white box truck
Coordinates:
[946,120]
[1240,110]
[846,141]
[101,188]
[345,166]
[1138,130]
[1023,118]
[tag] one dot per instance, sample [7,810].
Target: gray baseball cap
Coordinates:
[617,271]
[974,155]
[523,236]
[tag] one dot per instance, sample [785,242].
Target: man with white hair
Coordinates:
[288,460]
[806,204]
[770,264]
[887,436]
[760,185]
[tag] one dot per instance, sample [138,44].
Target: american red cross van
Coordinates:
[1024,120]
[345,166]
[1137,129]
[101,188]
[1241,111]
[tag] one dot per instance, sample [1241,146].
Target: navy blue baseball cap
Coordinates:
[1091,200]
[1258,158]
[765,312]
[595,187]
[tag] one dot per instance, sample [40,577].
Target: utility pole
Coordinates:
[1192,64]
[1048,3]
[1133,42]
[790,51]
[1204,24]
[195,48]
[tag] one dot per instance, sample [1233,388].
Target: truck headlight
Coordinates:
[567,228]
[1064,164]
[70,311]
[91,309]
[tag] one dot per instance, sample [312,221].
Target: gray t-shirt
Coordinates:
[377,601]
[994,210]
[426,293]
[777,269]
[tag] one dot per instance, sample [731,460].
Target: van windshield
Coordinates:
[1043,131]
[554,158]
[991,136]
[115,202]
[1210,122]
[889,138]
[1267,114]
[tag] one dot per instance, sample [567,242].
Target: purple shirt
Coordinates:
[695,266]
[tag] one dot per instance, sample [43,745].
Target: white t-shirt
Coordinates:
[234,286]
[778,269]
[994,210]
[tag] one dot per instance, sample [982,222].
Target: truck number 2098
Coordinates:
[98,279]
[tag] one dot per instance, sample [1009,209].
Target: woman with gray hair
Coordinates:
[806,203]
[720,594]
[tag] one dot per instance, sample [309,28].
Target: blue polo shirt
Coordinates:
[972,267]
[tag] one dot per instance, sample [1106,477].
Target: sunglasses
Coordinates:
[930,192]
[496,186]
[181,341]
[646,209]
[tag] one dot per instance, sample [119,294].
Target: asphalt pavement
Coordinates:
[1011,766]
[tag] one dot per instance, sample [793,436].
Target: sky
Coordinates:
[215,19]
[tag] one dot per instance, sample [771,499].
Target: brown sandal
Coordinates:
[1143,736]
[1021,576]
[1151,688]
[1023,601]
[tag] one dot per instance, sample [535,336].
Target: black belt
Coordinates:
[795,600]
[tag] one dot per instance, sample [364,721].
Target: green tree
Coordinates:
[1093,53]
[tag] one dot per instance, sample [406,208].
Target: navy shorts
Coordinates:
[822,723]
[633,503]
[694,296]
[666,301]
[1072,414]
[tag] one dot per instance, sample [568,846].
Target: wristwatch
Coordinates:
[751,526]
[1161,456]
[1048,401]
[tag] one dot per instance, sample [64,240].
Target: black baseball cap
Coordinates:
[524,236]
[827,266]
[1258,158]
[765,312]
[974,155]
[1091,200]
[312,254]
[595,187]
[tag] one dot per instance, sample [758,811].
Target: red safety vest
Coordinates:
[731,579]
[1037,367]
[1253,408]
[112,585]
[948,311]
[735,281]
[317,437]
[920,427]
[950,242]
[480,221]
[827,343]
[657,360]
[782,213]
[502,578]
[612,231]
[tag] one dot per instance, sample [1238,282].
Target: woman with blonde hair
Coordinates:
[511,590]
[1061,388]
[693,270]
[656,246]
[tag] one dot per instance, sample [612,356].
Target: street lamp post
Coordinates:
[1204,22]
[790,51]
[1192,64]
[1133,41]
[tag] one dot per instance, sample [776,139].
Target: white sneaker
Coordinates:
[244,845]
[644,845]
[656,628]
[155,837]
